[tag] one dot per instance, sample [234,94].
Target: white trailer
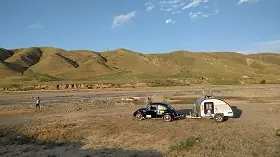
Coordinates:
[210,107]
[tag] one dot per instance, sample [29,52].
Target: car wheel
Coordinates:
[139,116]
[219,118]
[167,118]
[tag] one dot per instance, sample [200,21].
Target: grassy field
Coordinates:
[37,65]
[99,123]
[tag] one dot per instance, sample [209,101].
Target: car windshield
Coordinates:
[170,107]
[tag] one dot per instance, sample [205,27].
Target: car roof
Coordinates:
[160,103]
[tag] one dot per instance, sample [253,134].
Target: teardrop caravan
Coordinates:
[210,107]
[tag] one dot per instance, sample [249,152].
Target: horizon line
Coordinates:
[178,50]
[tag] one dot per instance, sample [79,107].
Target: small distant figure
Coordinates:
[149,101]
[37,102]
[209,111]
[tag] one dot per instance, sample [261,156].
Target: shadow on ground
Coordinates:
[278,132]
[184,111]
[236,112]
[14,143]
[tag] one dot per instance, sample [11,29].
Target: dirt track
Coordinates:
[55,97]
[113,132]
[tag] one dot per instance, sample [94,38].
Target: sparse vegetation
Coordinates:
[80,123]
[165,83]
[186,144]
[263,81]
[48,64]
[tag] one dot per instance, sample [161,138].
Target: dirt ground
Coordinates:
[100,123]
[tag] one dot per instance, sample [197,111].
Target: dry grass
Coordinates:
[112,130]
[81,106]
[185,137]
[15,112]
[126,66]
[185,144]
[60,133]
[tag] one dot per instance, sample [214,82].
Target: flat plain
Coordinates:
[100,123]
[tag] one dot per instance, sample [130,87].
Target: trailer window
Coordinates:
[208,106]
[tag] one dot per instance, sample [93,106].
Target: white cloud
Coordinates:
[198,15]
[170,5]
[202,15]
[167,9]
[121,19]
[246,1]
[170,2]
[175,6]
[149,6]
[176,12]
[169,21]
[194,3]
[35,26]
[215,12]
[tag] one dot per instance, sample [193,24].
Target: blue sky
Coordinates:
[147,26]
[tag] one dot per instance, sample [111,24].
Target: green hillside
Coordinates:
[46,64]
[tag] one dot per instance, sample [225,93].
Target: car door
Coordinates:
[160,110]
[152,111]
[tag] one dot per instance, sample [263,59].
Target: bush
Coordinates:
[165,83]
[263,81]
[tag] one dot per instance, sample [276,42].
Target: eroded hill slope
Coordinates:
[58,64]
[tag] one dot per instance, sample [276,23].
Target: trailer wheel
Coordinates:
[139,116]
[219,118]
[167,118]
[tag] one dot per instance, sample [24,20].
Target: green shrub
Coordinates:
[263,81]
[185,144]
[165,83]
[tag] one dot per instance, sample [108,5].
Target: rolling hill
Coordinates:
[45,64]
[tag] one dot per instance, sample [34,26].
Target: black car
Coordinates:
[157,110]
